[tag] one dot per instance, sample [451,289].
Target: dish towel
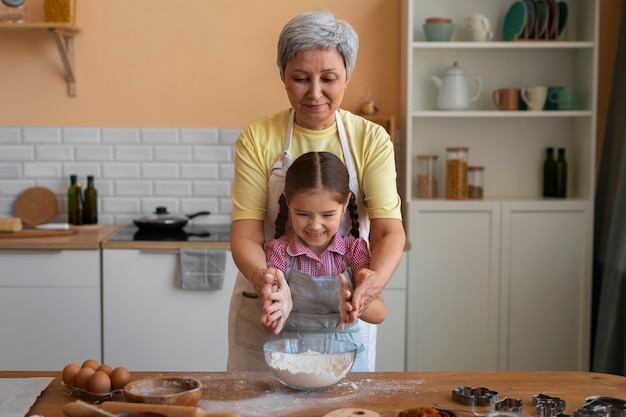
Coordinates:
[202,269]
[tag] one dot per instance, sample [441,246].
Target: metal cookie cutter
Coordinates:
[547,406]
[474,396]
[510,404]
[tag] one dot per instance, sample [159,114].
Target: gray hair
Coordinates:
[317,30]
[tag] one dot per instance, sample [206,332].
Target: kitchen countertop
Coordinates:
[253,394]
[86,238]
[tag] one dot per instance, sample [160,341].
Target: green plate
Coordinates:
[514,21]
[562,16]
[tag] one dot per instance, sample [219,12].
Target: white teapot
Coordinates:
[454,89]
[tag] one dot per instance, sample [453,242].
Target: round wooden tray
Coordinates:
[36,205]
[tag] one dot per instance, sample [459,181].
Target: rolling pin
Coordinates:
[116,407]
[11,224]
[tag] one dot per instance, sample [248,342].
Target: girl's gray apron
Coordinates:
[246,335]
[316,299]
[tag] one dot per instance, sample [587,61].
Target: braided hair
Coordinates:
[316,171]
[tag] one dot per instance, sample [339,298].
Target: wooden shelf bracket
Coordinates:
[65,45]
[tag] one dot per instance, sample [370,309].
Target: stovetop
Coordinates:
[190,233]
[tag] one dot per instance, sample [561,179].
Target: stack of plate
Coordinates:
[545,19]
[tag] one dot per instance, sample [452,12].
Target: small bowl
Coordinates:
[309,363]
[438,32]
[164,390]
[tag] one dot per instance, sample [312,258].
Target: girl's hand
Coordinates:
[346,311]
[275,301]
[367,288]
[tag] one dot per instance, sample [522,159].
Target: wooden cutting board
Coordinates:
[36,205]
[30,233]
[116,407]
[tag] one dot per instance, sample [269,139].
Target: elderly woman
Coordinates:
[316,58]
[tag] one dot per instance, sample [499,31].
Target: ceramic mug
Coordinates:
[535,97]
[506,98]
[564,98]
[551,102]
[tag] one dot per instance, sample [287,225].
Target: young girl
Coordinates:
[319,263]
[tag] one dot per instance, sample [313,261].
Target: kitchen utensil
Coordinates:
[438,32]
[163,220]
[124,414]
[31,233]
[480,26]
[535,97]
[74,410]
[36,205]
[164,390]
[474,396]
[454,88]
[309,363]
[515,21]
[351,412]
[514,405]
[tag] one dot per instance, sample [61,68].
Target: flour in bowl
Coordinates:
[310,369]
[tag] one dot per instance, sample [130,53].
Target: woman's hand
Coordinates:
[275,300]
[346,311]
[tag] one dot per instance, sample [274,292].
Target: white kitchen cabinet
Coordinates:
[150,324]
[515,247]
[49,308]
[391,338]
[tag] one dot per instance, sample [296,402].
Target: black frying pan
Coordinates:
[163,221]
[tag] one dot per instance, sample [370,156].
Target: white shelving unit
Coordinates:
[478,257]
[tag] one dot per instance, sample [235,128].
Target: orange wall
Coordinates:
[183,63]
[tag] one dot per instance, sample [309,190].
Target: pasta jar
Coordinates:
[426,180]
[475,187]
[456,173]
[62,11]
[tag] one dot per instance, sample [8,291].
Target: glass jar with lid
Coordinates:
[475,178]
[426,177]
[456,173]
[12,11]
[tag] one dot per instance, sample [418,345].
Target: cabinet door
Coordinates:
[546,287]
[391,338]
[453,287]
[150,324]
[49,309]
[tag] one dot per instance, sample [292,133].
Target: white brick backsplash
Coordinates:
[229,136]
[177,153]
[172,188]
[212,153]
[17,153]
[199,136]
[113,135]
[159,136]
[139,188]
[159,171]
[212,188]
[81,135]
[41,135]
[123,170]
[136,153]
[137,169]
[54,153]
[10,135]
[42,170]
[199,171]
[10,171]
[94,153]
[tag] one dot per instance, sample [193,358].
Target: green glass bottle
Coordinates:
[79,203]
[549,174]
[90,209]
[72,202]
[561,175]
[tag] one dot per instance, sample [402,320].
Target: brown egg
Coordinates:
[82,377]
[100,382]
[119,377]
[105,368]
[69,373]
[90,363]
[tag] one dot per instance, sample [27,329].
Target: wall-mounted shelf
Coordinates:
[64,38]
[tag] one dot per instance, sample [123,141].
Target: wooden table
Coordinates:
[259,394]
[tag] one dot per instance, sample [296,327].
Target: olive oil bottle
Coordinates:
[90,208]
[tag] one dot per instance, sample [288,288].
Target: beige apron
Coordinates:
[246,335]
